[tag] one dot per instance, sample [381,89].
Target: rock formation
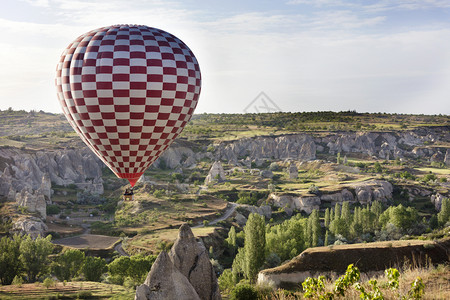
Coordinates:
[216,173]
[184,273]
[437,201]
[31,226]
[164,282]
[192,259]
[293,171]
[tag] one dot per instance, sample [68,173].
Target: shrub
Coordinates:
[53,209]
[84,295]
[244,292]
[48,282]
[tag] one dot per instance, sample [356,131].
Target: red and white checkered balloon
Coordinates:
[128,91]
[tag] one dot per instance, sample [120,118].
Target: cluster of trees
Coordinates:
[22,257]
[269,245]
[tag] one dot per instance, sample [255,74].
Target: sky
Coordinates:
[302,55]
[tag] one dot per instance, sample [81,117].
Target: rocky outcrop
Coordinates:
[293,171]
[364,192]
[164,282]
[266,174]
[264,210]
[437,201]
[216,173]
[31,226]
[192,259]
[370,258]
[297,146]
[27,177]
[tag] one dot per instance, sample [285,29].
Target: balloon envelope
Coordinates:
[128,91]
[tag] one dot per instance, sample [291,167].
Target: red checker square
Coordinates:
[120,164]
[66,64]
[151,48]
[171,123]
[88,78]
[135,128]
[121,108]
[166,142]
[153,142]
[90,129]
[134,142]
[104,85]
[180,95]
[79,123]
[138,85]
[168,86]
[159,129]
[104,153]
[155,78]
[65,79]
[174,130]
[106,101]
[154,63]
[111,128]
[181,64]
[191,88]
[93,108]
[183,79]
[163,116]
[107,42]
[78,56]
[138,70]
[102,135]
[104,69]
[89,62]
[97,142]
[191,111]
[166,101]
[163,44]
[73,110]
[108,147]
[196,97]
[83,44]
[123,122]
[152,108]
[121,61]
[146,135]
[188,58]
[90,93]
[92,48]
[105,54]
[121,48]
[164,135]
[76,86]
[154,93]
[137,54]
[79,102]
[171,39]
[197,68]
[76,71]
[137,42]
[177,51]
[157,147]
[114,142]
[121,93]
[191,73]
[113,159]
[121,77]
[142,147]
[84,116]
[169,71]
[136,116]
[124,147]
[137,101]
[168,56]
[149,122]
[124,135]
[138,159]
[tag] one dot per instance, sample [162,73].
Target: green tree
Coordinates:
[68,264]
[345,213]
[337,211]
[93,268]
[327,239]
[231,240]
[377,167]
[444,215]
[119,268]
[286,239]
[255,242]
[34,256]
[315,227]
[10,264]
[327,218]
[139,267]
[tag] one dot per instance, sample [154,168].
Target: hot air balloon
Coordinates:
[128,91]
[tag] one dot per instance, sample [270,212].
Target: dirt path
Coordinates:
[225,216]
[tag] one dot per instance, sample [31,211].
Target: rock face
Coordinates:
[370,258]
[293,171]
[297,146]
[192,259]
[184,273]
[27,177]
[437,201]
[216,173]
[31,226]
[266,174]
[263,210]
[165,281]
[365,192]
